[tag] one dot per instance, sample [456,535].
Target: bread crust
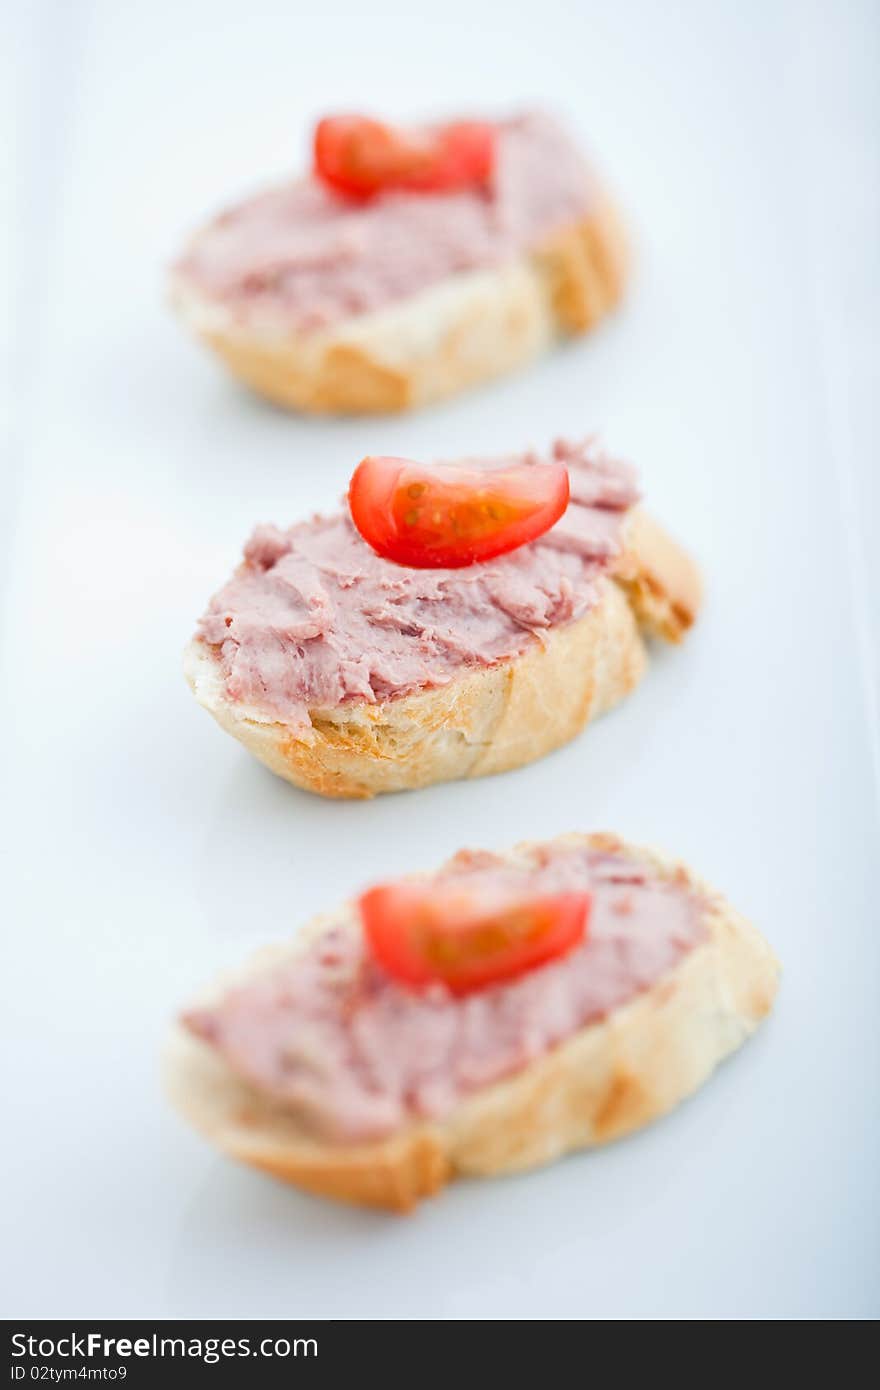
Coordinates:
[660,579]
[469,328]
[609,1079]
[487,720]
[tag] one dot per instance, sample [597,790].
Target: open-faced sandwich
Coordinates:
[482,1020]
[448,622]
[408,265]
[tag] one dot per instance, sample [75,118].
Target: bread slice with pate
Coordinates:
[350,675]
[319,1066]
[327,304]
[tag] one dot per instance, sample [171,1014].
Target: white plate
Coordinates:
[148,851]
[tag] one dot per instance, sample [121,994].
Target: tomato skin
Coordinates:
[450,517]
[361,157]
[467,155]
[424,935]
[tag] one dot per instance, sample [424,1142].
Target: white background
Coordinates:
[146,850]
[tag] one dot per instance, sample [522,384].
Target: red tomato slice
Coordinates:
[466,940]
[448,517]
[362,157]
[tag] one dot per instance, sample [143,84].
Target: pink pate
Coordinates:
[304,257]
[356,1055]
[314,618]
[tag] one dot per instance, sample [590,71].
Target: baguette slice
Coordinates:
[487,720]
[605,1081]
[471,327]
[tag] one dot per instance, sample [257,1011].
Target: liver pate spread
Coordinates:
[314,618]
[304,257]
[330,1036]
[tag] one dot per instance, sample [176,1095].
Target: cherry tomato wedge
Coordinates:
[361,157]
[464,939]
[448,517]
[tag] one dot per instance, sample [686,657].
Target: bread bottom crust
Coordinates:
[471,327]
[609,1079]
